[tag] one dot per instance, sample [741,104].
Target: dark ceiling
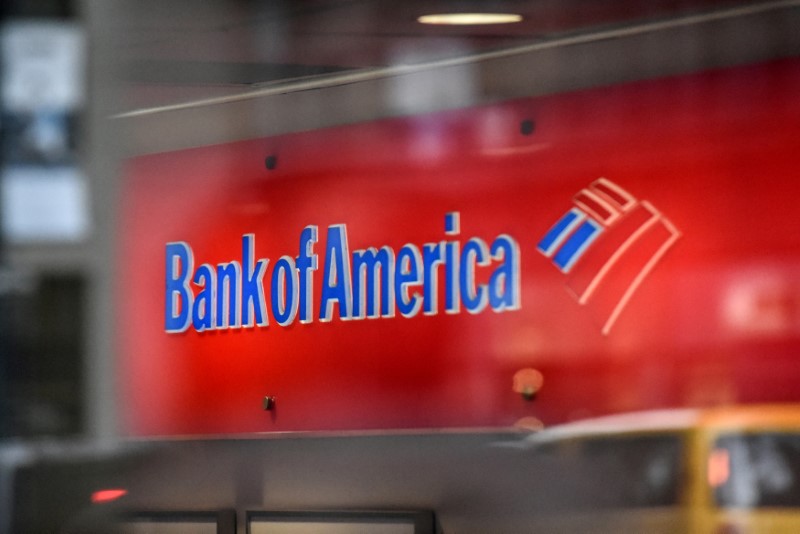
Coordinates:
[184,49]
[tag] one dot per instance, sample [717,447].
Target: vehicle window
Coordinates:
[615,472]
[756,470]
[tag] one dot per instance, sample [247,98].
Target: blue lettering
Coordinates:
[407,275]
[203,309]
[306,264]
[253,285]
[431,259]
[284,291]
[366,263]
[178,295]
[504,291]
[232,295]
[452,227]
[475,298]
[336,275]
[228,276]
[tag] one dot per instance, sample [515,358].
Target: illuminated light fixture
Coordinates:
[467,19]
[527,382]
[108,495]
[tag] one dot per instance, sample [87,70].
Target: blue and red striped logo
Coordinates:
[606,245]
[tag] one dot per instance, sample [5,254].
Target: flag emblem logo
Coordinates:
[606,245]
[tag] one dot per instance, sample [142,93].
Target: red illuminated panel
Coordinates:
[596,206]
[639,256]
[613,193]
[625,259]
[609,248]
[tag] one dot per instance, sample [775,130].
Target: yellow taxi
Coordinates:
[727,470]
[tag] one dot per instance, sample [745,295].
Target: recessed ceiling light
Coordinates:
[469,18]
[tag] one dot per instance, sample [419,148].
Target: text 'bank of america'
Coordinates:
[369,283]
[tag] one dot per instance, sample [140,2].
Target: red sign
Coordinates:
[620,248]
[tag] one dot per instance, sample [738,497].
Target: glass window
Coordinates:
[614,472]
[757,470]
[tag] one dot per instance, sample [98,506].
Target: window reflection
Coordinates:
[764,470]
[614,472]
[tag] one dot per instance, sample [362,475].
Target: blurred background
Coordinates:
[45,214]
[85,84]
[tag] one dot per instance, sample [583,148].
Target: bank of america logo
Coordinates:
[606,245]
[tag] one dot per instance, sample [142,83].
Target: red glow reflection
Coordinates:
[719,467]
[107,495]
